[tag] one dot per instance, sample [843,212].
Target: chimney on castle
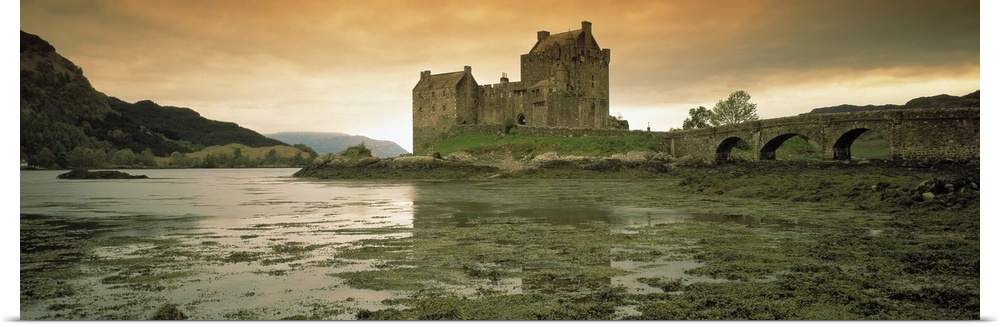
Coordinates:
[543,35]
[468,69]
[585,25]
[425,74]
[587,34]
[504,79]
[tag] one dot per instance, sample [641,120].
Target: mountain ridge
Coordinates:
[335,142]
[64,118]
[935,101]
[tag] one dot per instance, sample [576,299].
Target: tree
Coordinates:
[82,157]
[271,158]
[44,158]
[211,161]
[239,160]
[735,109]
[123,158]
[697,118]
[147,158]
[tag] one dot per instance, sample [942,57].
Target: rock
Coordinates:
[460,157]
[168,312]
[927,196]
[336,160]
[104,174]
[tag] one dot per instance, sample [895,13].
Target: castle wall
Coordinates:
[440,102]
[467,101]
[548,131]
[498,102]
[565,84]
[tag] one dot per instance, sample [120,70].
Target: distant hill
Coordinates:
[63,118]
[937,101]
[337,142]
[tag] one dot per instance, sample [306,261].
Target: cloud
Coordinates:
[315,62]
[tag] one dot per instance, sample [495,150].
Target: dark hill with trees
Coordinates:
[66,122]
[177,123]
[970,100]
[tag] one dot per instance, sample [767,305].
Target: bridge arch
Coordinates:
[769,150]
[723,151]
[842,148]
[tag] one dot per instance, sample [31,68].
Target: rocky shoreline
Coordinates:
[464,166]
[861,184]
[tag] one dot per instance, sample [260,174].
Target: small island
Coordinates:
[104,174]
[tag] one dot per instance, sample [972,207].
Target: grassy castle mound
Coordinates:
[480,155]
[357,162]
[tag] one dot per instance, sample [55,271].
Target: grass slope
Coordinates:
[520,145]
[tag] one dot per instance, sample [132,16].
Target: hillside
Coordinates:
[937,101]
[60,111]
[240,156]
[65,122]
[337,142]
[185,124]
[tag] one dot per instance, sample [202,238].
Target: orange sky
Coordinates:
[349,66]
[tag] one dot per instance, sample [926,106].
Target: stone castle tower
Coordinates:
[564,84]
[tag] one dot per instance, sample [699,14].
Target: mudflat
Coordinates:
[742,241]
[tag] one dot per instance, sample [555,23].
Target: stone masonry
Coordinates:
[912,134]
[564,84]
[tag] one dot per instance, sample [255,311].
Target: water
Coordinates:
[260,244]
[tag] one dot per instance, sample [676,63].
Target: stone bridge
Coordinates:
[912,134]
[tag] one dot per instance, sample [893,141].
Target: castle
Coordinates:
[564,84]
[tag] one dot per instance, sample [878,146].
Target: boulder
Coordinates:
[168,312]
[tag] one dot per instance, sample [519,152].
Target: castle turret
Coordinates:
[561,76]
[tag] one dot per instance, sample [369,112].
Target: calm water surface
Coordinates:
[260,244]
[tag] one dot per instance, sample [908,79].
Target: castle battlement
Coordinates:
[564,84]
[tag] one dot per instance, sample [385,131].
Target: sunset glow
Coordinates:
[349,66]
